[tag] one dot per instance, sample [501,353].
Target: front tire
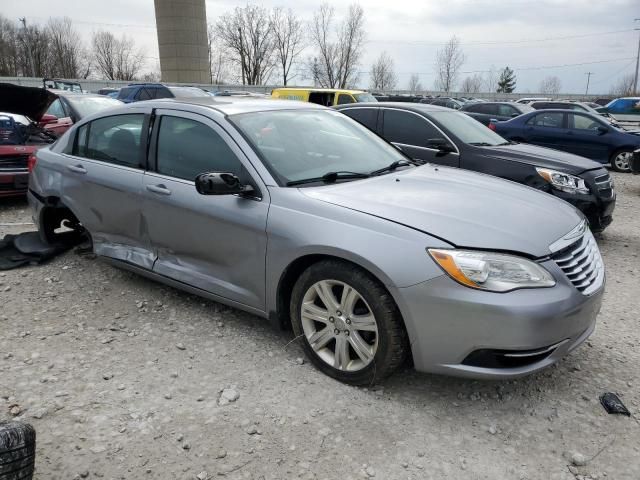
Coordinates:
[620,160]
[350,327]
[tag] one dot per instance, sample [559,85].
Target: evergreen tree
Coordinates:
[507,81]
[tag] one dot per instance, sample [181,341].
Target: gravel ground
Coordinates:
[124,378]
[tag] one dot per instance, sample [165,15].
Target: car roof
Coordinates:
[229,105]
[67,93]
[313,89]
[416,107]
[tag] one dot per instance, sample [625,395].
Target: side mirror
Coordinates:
[216,183]
[47,119]
[602,130]
[441,144]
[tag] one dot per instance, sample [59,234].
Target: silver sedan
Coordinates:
[300,215]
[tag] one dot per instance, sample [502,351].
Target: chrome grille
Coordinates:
[582,263]
[604,184]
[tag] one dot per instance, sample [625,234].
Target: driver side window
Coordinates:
[582,122]
[408,129]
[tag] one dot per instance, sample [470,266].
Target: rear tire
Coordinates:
[620,160]
[358,336]
[17,451]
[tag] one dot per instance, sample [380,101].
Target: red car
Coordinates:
[31,118]
[20,137]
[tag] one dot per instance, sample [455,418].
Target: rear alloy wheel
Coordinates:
[350,326]
[620,160]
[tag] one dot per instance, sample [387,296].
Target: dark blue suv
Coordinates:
[136,92]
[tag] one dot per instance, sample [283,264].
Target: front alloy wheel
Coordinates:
[348,324]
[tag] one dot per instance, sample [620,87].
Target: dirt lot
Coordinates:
[123,378]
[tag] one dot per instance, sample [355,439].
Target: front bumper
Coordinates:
[13,183]
[448,323]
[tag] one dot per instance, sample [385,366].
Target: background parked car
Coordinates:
[61,84]
[442,136]
[527,100]
[136,92]
[623,109]
[563,105]
[107,91]
[322,96]
[446,102]
[635,162]
[70,107]
[580,133]
[484,112]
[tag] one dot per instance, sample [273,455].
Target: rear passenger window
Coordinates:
[408,128]
[187,148]
[547,119]
[506,110]
[114,139]
[365,116]
[143,94]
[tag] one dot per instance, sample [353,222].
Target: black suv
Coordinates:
[442,136]
[484,112]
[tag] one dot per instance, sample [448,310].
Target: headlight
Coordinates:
[494,272]
[563,181]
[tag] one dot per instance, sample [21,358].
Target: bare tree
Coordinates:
[472,84]
[218,57]
[69,58]
[337,61]
[116,58]
[383,76]
[247,33]
[289,40]
[550,85]
[623,87]
[491,80]
[9,61]
[414,83]
[449,59]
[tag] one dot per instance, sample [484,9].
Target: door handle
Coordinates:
[161,189]
[77,169]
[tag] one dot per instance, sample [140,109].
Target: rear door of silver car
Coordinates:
[102,184]
[215,243]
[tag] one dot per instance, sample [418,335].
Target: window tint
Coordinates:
[114,139]
[547,119]
[583,122]
[490,109]
[57,109]
[162,92]
[365,116]
[506,110]
[475,108]
[344,98]
[408,128]
[187,148]
[143,94]
[125,92]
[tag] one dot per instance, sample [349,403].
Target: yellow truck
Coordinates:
[323,96]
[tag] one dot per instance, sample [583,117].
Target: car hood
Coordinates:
[542,157]
[464,208]
[31,102]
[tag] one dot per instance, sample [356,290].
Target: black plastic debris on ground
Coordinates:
[613,405]
[28,248]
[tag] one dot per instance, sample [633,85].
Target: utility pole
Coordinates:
[27,47]
[635,78]
[588,74]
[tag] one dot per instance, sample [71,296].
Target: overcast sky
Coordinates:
[523,34]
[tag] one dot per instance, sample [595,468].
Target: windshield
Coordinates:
[364,97]
[302,144]
[467,129]
[86,106]
[188,92]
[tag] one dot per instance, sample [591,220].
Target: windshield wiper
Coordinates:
[391,167]
[482,144]
[330,177]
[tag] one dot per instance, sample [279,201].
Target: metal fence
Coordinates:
[92,85]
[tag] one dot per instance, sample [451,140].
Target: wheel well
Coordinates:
[291,275]
[55,214]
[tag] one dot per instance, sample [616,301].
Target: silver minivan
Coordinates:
[298,214]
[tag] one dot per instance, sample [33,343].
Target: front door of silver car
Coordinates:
[105,169]
[213,242]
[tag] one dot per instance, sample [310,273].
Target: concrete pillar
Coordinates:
[182,40]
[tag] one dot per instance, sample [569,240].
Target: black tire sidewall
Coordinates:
[379,302]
